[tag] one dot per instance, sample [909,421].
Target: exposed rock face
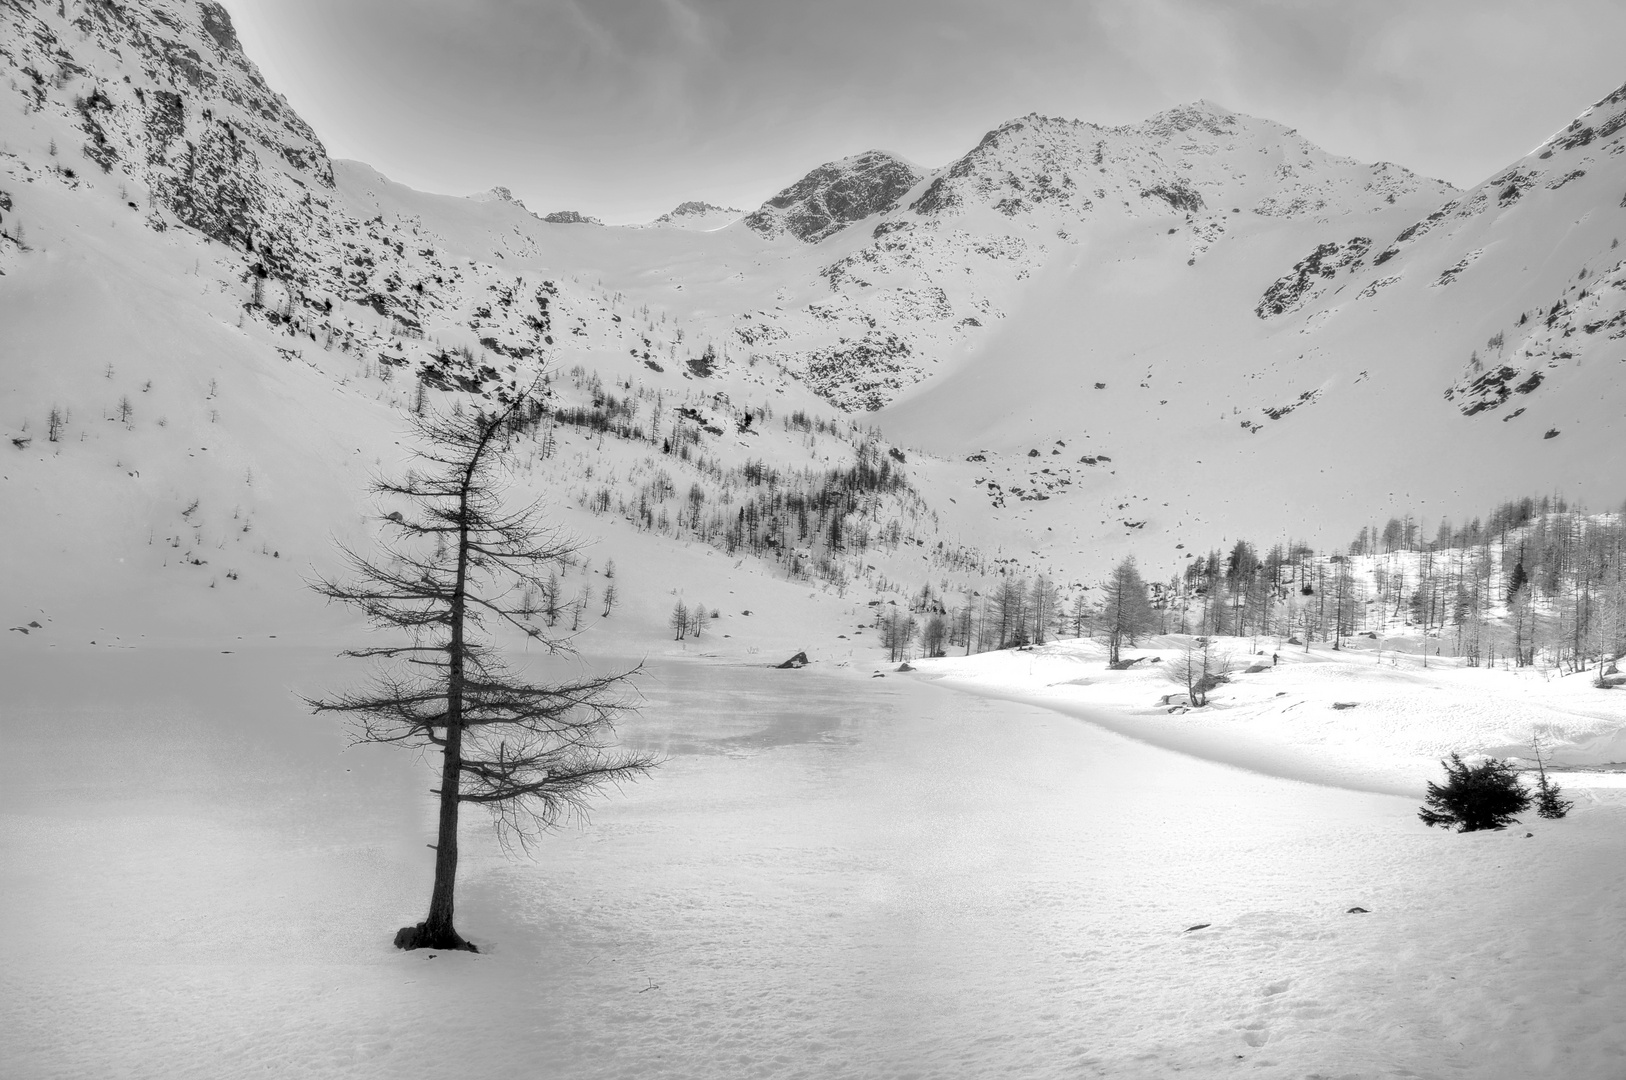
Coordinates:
[499,194]
[1289,291]
[695,214]
[1599,122]
[570,217]
[836,195]
[168,102]
[695,208]
[165,95]
[184,52]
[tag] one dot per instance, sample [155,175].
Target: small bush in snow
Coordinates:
[1548,803]
[1474,797]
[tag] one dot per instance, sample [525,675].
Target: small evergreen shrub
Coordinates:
[1548,803]
[1474,797]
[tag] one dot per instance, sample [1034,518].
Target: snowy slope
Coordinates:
[1393,360]
[228,352]
[960,250]
[989,300]
[1070,330]
[1525,271]
[966,295]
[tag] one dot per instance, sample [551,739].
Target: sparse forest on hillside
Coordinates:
[1534,582]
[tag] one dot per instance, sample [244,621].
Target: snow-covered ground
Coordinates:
[1363,716]
[833,875]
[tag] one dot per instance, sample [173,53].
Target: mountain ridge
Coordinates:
[1063,341]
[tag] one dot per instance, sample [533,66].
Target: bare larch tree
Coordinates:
[461,567]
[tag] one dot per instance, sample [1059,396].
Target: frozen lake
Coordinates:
[829,877]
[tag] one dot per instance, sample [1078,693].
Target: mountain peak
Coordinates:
[837,194]
[570,217]
[696,206]
[699,215]
[1187,156]
[1201,115]
[497,194]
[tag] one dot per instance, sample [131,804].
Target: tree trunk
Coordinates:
[438,931]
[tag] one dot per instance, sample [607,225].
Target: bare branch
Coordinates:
[533,753]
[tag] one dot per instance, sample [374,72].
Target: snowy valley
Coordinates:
[895,415]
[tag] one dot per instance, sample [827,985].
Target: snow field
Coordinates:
[1397,721]
[831,876]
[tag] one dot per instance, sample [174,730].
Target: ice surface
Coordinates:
[829,877]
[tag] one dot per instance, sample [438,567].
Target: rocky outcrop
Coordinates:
[698,215]
[570,217]
[164,94]
[1482,391]
[499,194]
[167,102]
[694,208]
[836,195]
[1602,120]
[1290,291]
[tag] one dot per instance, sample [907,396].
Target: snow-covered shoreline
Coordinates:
[1354,718]
[833,875]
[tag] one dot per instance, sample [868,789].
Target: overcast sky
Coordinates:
[623,108]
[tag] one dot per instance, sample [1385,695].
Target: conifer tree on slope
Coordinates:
[1125,609]
[460,565]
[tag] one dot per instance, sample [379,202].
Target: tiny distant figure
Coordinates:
[1275,658]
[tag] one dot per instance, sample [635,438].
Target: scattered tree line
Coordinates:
[1017,613]
[1536,581]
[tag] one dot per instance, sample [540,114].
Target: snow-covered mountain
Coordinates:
[1084,340]
[962,249]
[1534,255]
[836,195]
[698,215]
